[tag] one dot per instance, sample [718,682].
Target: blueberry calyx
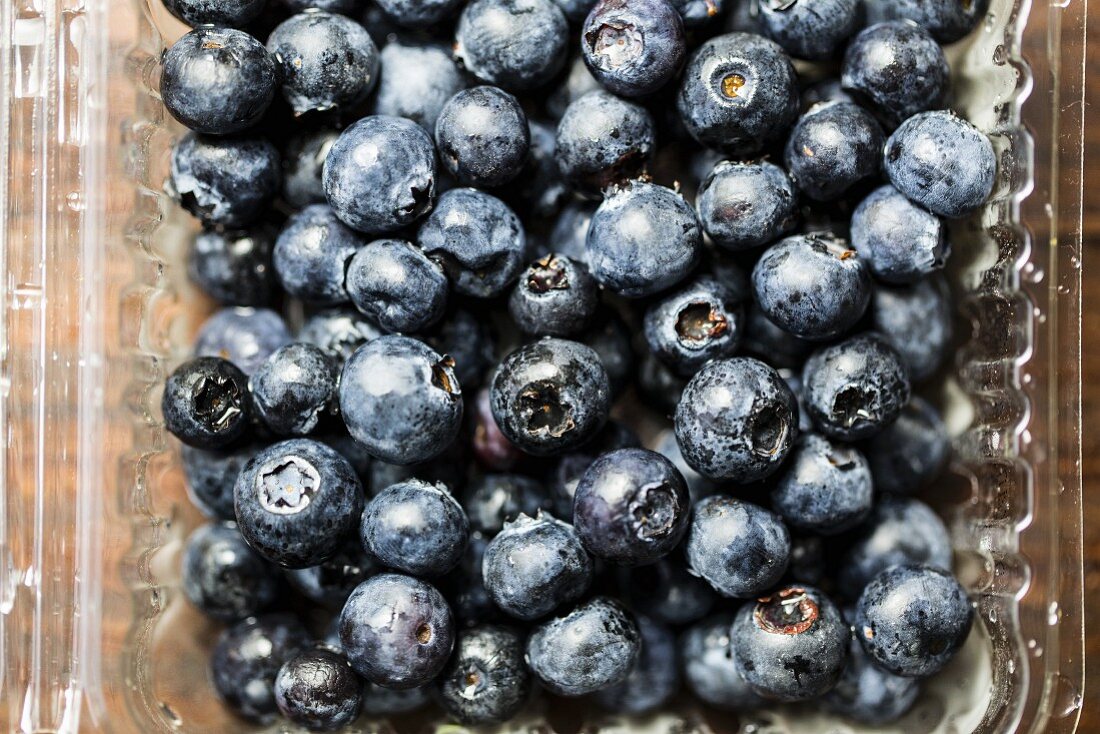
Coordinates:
[547,274]
[849,405]
[288,485]
[443,377]
[788,612]
[217,400]
[544,410]
[700,322]
[615,43]
[768,429]
[654,508]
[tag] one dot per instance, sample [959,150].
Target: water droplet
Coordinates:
[75,201]
[993,616]
[1065,696]
[1054,613]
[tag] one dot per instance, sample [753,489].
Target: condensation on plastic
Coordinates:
[93,633]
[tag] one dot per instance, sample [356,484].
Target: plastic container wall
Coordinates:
[94,307]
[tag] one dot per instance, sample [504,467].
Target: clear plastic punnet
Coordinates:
[95,308]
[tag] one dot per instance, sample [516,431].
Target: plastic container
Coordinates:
[94,634]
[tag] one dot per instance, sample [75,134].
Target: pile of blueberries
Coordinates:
[513,236]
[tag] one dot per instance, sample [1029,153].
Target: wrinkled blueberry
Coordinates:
[224,181]
[483,136]
[740,549]
[225,578]
[206,403]
[899,241]
[234,268]
[743,205]
[318,690]
[824,488]
[397,286]
[486,681]
[833,147]
[416,81]
[513,44]
[415,527]
[700,321]
[633,48]
[247,659]
[554,296]
[603,140]
[294,388]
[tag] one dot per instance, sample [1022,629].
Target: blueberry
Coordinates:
[591,648]
[397,286]
[465,588]
[738,93]
[825,487]
[381,701]
[478,240]
[667,592]
[337,437]
[631,507]
[743,205]
[773,343]
[610,338]
[318,690]
[539,191]
[899,531]
[654,679]
[911,620]
[826,90]
[897,68]
[633,48]
[736,420]
[486,681]
[415,527]
[791,645]
[331,582]
[397,631]
[312,254]
[483,136]
[941,162]
[303,162]
[379,175]
[448,468]
[211,476]
[808,563]
[575,10]
[513,44]
[832,148]
[710,669]
[326,61]
[224,181]
[642,239]
[297,501]
[813,285]
[338,332]
[535,565]
[899,241]
[571,230]
[916,321]
[233,14]
[206,403]
[740,549]
[244,336]
[469,341]
[700,321]
[577,83]
[911,452]
[400,399]
[855,388]
[699,13]
[698,485]
[418,13]
[810,29]
[946,20]
[554,296]
[417,80]
[868,694]
[225,578]
[347,7]
[294,388]
[247,658]
[550,396]
[495,499]
[572,466]
[603,140]
[234,268]
[217,81]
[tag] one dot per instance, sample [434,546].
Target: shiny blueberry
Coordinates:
[700,321]
[479,241]
[855,388]
[331,582]
[824,488]
[234,268]
[710,669]
[400,399]
[813,285]
[417,80]
[898,68]
[397,286]
[791,645]
[294,388]
[916,320]
[911,452]
[868,694]
[591,648]
[244,336]
[225,578]
[495,499]
[946,20]
[303,162]
[483,137]
[232,14]
[217,81]
[572,466]
[654,679]
[736,420]
[397,631]
[603,140]
[415,527]
[899,241]
[380,174]
[550,396]
[911,620]
[833,147]
[513,44]
[247,659]
[206,403]
[224,181]
[740,549]
[318,690]
[297,501]
[338,332]
[211,476]
[554,296]
[642,239]
[743,205]
[312,254]
[535,565]
[942,162]
[486,681]
[418,13]
[738,93]
[633,48]
[631,507]
[810,29]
